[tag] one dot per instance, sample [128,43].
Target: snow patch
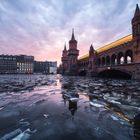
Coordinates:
[96,104]
[46,116]
[74,99]
[23,136]
[1,108]
[114,118]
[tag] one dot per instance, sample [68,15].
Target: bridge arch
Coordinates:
[120,58]
[107,60]
[82,72]
[115,73]
[99,61]
[103,61]
[113,59]
[128,56]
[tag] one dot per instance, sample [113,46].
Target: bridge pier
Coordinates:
[136,72]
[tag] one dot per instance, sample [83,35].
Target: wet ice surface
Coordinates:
[40,107]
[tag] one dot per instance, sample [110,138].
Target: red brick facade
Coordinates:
[122,55]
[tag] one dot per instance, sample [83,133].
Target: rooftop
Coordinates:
[111,45]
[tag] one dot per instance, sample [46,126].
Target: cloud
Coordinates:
[41,27]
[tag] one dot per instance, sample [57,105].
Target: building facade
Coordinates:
[25,64]
[12,64]
[8,64]
[45,67]
[52,67]
[121,57]
[40,67]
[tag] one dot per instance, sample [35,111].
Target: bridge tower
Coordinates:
[91,55]
[136,42]
[136,24]
[73,54]
[64,60]
[92,61]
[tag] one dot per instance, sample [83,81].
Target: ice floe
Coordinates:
[46,116]
[1,108]
[95,104]
[74,99]
[11,134]
[114,118]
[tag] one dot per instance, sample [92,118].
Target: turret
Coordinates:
[136,24]
[91,51]
[64,59]
[73,42]
[64,54]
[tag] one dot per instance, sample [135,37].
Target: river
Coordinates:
[55,107]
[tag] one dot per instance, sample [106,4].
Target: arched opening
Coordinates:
[103,61]
[99,62]
[115,74]
[108,60]
[82,73]
[129,56]
[90,64]
[113,59]
[120,58]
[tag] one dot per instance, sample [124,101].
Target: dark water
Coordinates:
[40,107]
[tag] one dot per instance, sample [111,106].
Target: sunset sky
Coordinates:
[41,27]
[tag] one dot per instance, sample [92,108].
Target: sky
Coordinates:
[41,27]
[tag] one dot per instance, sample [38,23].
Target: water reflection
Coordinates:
[101,108]
[72,102]
[72,107]
[70,95]
[137,126]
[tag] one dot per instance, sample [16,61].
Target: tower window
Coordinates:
[138,28]
[135,30]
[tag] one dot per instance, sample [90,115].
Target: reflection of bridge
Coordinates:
[118,59]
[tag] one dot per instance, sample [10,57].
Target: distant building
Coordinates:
[8,64]
[52,67]
[25,64]
[46,67]
[41,67]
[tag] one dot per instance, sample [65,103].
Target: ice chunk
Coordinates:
[67,96]
[24,123]
[74,99]
[114,118]
[11,134]
[96,104]
[113,101]
[1,108]
[23,136]
[46,116]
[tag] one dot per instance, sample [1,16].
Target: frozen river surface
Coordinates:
[53,107]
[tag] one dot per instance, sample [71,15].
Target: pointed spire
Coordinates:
[65,48]
[91,48]
[137,11]
[73,37]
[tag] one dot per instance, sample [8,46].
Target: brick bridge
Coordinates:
[120,59]
[116,59]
